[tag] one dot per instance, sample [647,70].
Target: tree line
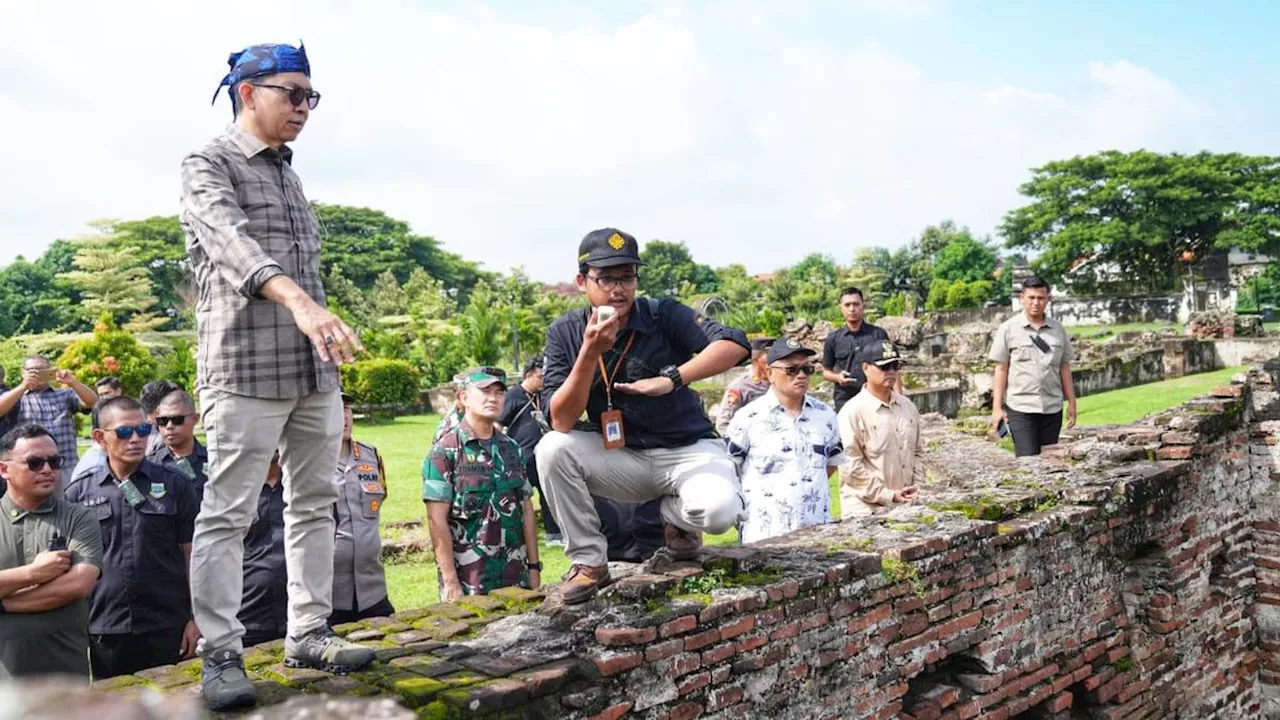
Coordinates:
[1107,223]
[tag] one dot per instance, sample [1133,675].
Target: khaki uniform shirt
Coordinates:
[1035,385]
[885,450]
[55,641]
[358,576]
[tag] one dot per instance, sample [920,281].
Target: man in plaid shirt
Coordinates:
[267,369]
[51,408]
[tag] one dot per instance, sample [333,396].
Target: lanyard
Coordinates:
[608,379]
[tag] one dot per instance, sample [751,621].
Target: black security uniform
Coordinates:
[193,465]
[842,350]
[141,604]
[264,609]
[521,423]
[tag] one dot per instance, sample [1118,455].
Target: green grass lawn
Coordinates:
[1128,405]
[403,444]
[1090,331]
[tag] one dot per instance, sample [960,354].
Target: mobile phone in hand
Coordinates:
[1003,429]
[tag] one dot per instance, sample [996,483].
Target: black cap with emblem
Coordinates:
[880,354]
[786,348]
[608,247]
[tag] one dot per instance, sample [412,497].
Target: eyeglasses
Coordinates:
[609,282]
[794,370]
[175,420]
[35,463]
[124,432]
[296,94]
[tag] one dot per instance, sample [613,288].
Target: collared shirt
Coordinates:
[247,220]
[666,333]
[842,350]
[485,485]
[1035,380]
[53,409]
[885,451]
[359,581]
[92,459]
[192,466]
[518,408]
[447,423]
[265,604]
[144,573]
[54,641]
[739,394]
[783,464]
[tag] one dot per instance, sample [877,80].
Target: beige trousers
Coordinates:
[243,433]
[698,482]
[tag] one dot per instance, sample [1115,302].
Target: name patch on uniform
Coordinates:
[371,487]
[157,490]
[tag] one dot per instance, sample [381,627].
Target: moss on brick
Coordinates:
[417,691]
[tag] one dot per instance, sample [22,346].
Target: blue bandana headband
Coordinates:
[258,60]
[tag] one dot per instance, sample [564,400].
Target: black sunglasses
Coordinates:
[124,432]
[895,365]
[175,420]
[794,370]
[35,463]
[297,95]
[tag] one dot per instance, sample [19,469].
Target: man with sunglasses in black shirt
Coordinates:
[140,612]
[175,419]
[1033,356]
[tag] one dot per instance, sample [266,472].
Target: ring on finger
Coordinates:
[329,340]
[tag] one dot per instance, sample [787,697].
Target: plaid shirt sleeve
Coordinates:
[216,218]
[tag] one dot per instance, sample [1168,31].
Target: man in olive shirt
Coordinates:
[1033,374]
[50,558]
[880,431]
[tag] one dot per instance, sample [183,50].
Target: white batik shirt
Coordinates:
[783,463]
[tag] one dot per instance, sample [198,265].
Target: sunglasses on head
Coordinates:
[35,463]
[296,95]
[175,420]
[124,432]
[794,370]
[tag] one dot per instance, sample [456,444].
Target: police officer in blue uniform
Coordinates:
[140,611]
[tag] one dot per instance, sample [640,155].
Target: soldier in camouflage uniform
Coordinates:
[750,386]
[479,508]
[454,416]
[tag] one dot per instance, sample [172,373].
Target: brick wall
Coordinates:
[1131,574]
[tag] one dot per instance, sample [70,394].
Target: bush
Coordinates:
[110,351]
[381,382]
[895,304]
[179,364]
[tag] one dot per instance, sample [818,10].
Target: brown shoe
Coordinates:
[681,545]
[582,582]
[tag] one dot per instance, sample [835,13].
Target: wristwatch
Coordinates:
[672,373]
[534,566]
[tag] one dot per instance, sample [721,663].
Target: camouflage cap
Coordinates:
[480,377]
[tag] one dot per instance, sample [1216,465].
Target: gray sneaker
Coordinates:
[223,682]
[323,650]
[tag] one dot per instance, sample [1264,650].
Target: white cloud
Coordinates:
[508,141]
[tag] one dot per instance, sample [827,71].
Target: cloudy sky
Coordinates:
[753,131]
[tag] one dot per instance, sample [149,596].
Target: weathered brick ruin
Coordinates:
[1132,574]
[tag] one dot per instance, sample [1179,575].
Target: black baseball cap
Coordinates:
[880,354]
[786,348]
[608,247]
[761,344]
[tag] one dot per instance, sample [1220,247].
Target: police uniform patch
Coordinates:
[365,468]
[157,490]
[371,487]
[732,397]
[616,242]
[374,504]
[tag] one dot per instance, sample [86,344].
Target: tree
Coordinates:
[30,301]
[935,237]
[161,248]
[113,283]
[387,297]
[668,266]
[1135,216]
[481,326]
[368,242]
[965,259]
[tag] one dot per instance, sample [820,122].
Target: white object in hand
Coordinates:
[604,312]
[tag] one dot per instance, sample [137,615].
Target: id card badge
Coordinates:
[611,428]
[131,494]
